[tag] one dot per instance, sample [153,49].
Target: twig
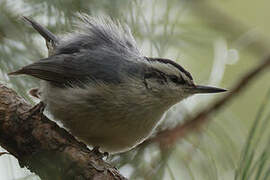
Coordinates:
[3,153]
[169,137]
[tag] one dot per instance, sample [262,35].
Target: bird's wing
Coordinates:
[77,68]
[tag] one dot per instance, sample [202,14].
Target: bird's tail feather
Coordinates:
[44,32]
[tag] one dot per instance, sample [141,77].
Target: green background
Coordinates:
[196,34]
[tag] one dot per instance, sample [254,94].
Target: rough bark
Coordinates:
[43,147]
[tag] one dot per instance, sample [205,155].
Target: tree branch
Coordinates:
[43,147]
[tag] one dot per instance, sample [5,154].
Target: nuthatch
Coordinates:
[104,91]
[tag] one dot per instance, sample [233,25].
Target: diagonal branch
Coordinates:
[43,147]
[169,137]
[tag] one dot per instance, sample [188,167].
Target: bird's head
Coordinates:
[167,79]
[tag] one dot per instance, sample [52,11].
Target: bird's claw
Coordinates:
[37,109]
[99,154]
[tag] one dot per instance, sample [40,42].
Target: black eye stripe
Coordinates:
[159,76]
[163,78]
[177,80]
[174,78]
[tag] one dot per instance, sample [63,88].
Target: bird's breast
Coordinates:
[115,121]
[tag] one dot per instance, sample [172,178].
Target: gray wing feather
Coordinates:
[80,68]
[102,51]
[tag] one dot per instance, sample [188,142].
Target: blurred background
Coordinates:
[218,41]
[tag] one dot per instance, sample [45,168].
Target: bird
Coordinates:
[97,83]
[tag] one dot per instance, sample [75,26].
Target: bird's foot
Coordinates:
[99,154]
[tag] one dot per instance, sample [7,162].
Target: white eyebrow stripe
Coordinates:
[169,69]
[166,68]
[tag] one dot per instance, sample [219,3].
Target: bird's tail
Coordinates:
[51,42]
[44,32]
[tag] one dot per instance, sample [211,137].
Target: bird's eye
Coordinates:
[174,79]
[177,80]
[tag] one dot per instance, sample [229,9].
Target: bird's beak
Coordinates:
[205,89]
